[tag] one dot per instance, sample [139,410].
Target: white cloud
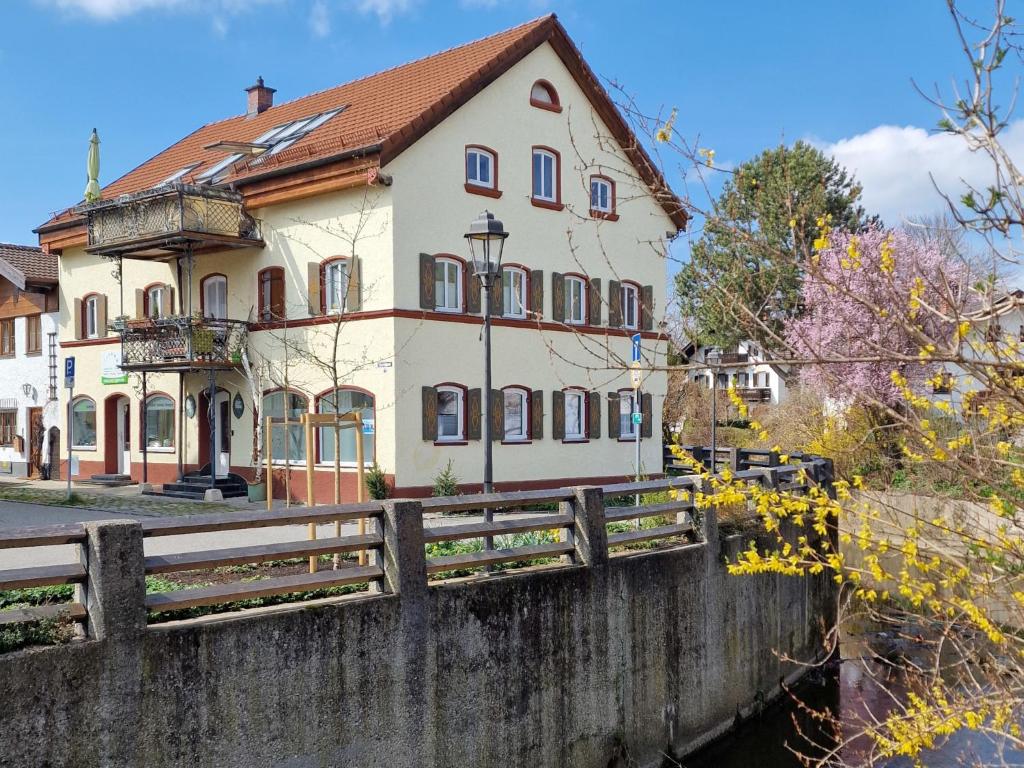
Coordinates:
[109,10]
[319,19]
[896,166]
[384,10]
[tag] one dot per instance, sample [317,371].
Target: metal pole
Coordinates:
[181,426]
[714,420]
[145,433]
[636,440]
[485,279]
[211,415]
[71,432]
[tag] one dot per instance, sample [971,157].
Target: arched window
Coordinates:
[159,423]
[447,285]
[83,423]
[517,414]
[90,316]
[451,414]
[347,401]
[156,300]
[514,291]
[482,170]
[547,182]
[575,414]
[335,279]
[575,300]
[602,198]
[630,294]
[627,404]
[292,444]
[214,293]
[544,95]
[271,294]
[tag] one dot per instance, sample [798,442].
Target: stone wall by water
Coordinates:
[619,661]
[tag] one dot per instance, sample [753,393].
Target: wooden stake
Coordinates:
[267,444]
[360,485]
[310,500]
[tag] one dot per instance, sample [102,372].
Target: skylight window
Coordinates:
[178,174]
[277,139]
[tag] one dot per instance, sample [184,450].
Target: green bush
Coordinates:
[377,482]
[446,483]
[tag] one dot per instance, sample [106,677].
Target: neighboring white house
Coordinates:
[747,368]
[29,405]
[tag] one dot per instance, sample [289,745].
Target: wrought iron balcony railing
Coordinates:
[167,219]
[175,343]
[755,394]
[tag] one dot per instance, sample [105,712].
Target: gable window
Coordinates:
[575,300]
[33,335]
[447,285]
[290,444]
[271,294]
[546,177]
[630,305]
[83,423]
[335,286]
[7,337]
[482,171]
[513,286]
[575,415]
[90,316]
[602,197]
[517,414]
[347,401]
[627,403]
[159,423]
[215,297]
[544,96]
[451,422]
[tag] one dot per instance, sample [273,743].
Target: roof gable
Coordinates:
[22,264]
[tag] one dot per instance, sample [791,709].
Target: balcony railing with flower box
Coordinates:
[181,343]
[169,220]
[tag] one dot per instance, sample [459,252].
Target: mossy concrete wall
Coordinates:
[608,664]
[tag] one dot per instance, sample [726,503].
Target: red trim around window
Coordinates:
[142,419]
[636,287]
[276,310]
[554,106]
[316,409]
[478,189]
[611,215]
[464,439]
[323,280]
[526,289]
[527,416]
[586,297]
[202,291]
[630,392]
[463,281]
[585,417]
[556,204]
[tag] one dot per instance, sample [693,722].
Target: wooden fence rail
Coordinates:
[622,511]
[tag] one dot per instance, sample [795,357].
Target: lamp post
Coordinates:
[486,238]
[713,357]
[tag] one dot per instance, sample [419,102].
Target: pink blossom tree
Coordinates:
[874,303]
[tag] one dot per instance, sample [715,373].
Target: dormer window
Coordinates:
[544,96]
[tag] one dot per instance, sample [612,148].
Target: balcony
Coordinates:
[168,221]
[734,358]
[755,394]
[181,344]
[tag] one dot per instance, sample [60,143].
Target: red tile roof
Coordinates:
[386,112]
[36,265]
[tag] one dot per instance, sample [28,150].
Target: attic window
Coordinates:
[177,175]
[275,140]
[544,95]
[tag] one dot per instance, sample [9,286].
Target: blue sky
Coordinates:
[744,75]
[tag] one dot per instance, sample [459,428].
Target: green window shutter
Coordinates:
[498,297]
[647,308]
[536,414]
[427,298]
[646,404]
[558,415]
[430,413]
[613,415]
[473,418]
[497,415]
[473,295]
[557,297]
[594,415]
[537,293]
[594,301]
[614,304]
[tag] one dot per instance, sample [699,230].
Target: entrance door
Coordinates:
[35,441]
[223,426]
[124,437]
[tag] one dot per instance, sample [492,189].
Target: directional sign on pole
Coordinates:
[635,375]
[69,373]
[636,347]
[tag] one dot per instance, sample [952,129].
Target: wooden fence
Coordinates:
[621,508]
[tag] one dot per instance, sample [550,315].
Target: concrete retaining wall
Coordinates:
[612,662]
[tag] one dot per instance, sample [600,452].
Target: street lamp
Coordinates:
[486,238]
[713,357]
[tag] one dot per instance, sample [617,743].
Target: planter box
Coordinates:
[258,491]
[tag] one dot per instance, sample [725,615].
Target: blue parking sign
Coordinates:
[69,372]
[636,347]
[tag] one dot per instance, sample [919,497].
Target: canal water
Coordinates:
[787,732]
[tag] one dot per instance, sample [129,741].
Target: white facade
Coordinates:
[755,378]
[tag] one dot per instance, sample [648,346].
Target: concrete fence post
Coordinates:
[706,520]
[116,580]
[405,559]
[734,459]
[590,539]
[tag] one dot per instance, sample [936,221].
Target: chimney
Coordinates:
[261,98]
